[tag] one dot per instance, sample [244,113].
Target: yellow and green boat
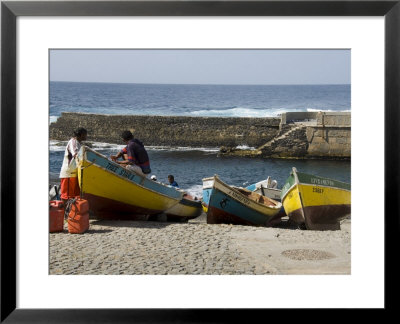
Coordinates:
[115,192]
[315,202]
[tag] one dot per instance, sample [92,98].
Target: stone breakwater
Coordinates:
[169,130]
[292,135]
[162,248]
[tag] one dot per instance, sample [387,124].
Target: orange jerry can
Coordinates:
[56,216]
[79,206]
[78,217]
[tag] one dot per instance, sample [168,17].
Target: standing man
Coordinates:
[136,155]
[69,174]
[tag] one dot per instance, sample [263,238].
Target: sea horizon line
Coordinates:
[207,84]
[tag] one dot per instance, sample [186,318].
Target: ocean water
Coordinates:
[195,100]
[190,165]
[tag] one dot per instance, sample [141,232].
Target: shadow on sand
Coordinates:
[131,223]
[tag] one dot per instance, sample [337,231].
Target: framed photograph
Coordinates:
[204,60]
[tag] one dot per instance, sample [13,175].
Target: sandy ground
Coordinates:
[194,247]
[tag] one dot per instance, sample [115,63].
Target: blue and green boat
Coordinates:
[265,187]
[235,205]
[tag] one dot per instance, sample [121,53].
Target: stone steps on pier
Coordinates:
[282,136]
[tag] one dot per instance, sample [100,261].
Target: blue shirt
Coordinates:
[174,184]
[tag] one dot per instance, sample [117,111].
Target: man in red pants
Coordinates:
[69,174]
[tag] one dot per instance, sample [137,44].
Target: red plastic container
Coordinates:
[78,224]
[80,206]
[78,217]
[56,216]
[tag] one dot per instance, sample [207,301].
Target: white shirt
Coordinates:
[69,168]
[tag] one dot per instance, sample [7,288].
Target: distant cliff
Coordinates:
[293,135]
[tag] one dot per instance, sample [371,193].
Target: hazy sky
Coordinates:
[202,66]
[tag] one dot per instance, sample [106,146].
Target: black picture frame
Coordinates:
[10,10]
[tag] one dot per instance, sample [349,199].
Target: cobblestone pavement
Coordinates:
[146,247]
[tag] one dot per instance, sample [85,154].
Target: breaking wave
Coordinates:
[238,112]
[58,146]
